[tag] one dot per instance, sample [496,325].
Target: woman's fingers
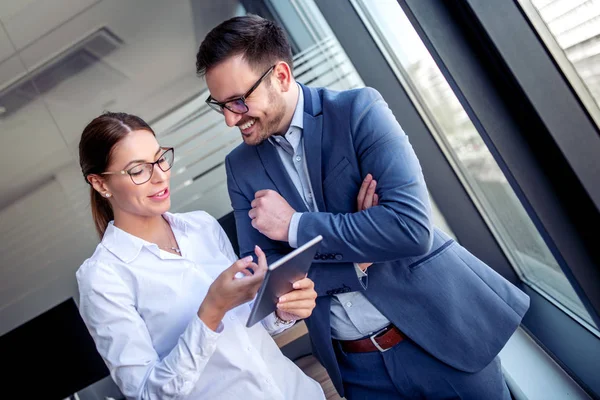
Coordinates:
[300,309]
[304,283]
[305,291]
[262,260]
[238,266]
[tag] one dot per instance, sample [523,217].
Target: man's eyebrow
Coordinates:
[142,161]
[234,97]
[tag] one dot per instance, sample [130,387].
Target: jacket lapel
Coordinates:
[313,133]
[276,171]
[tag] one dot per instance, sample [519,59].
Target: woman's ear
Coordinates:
[99,185]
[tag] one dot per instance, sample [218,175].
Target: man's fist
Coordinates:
[271,214]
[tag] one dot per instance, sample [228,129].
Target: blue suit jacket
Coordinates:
[440,295]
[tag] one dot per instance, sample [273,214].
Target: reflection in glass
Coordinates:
[469,155]
[575,25]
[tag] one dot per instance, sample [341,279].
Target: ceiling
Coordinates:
[62,63]
[150,72]
[55,76]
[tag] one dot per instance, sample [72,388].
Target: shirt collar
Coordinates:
[127,247]
[297,123]
[298,117]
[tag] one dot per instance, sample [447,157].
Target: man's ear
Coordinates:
[98,183]
[282,73]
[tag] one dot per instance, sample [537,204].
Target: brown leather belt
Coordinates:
[381,341]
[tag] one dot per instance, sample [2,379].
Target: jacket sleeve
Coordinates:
[122,339]
[343,279]
[400,226]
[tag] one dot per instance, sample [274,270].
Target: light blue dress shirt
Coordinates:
[352,315]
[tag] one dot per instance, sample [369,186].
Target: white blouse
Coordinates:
[140,305]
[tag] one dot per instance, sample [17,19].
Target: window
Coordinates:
[571,31]
[468,154]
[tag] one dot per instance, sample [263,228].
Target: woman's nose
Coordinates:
[158,175]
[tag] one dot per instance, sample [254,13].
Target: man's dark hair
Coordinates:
[261,42]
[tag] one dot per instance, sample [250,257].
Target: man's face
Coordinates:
[266,106]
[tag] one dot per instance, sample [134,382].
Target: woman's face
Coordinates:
[149,199]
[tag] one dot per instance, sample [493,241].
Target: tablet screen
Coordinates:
[280,277]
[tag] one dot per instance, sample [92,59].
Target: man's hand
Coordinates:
[367,198]
[299,303]
[271,215]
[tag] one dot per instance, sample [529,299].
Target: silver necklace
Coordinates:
[175,249]
[172,248]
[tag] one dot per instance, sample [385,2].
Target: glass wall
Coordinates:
[571,31]
[469,155]
[64,62]
[575,25]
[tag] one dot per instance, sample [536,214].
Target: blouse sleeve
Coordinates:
[108,309]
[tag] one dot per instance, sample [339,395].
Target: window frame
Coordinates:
[564,210]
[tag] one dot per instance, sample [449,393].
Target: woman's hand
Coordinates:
[367,198]
[299,303]
[229,291]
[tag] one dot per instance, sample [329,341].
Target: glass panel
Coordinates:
[571,31]
[62,66]
[468,154]
[576,26]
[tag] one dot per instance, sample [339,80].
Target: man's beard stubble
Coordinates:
[269,127]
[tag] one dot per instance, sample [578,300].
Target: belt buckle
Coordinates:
[372,337]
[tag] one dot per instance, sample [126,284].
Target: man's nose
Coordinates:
[231,118]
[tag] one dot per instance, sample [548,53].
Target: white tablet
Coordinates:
[280,277]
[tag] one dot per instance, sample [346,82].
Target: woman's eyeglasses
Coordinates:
[141,173]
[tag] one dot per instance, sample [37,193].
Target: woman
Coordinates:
[165,308]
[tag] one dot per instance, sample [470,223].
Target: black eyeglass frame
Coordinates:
[219,106]
[152,164]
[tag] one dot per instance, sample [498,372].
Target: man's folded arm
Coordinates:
[343,279]
[400,226]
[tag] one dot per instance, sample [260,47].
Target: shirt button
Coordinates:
[249,348]
[231,317]
[349,304]
[298,158]
[277,140]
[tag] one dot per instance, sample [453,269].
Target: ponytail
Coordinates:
[102,212]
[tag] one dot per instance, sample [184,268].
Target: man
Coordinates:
[428,319]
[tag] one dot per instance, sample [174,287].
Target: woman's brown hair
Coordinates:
[95,148]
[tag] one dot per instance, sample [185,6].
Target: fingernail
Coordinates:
[281,299]
[257,248]
[248,259]
[373,183]
[295,285]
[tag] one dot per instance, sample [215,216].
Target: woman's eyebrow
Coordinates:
[142,161]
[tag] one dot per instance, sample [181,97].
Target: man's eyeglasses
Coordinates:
[237,105]
[141,173]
